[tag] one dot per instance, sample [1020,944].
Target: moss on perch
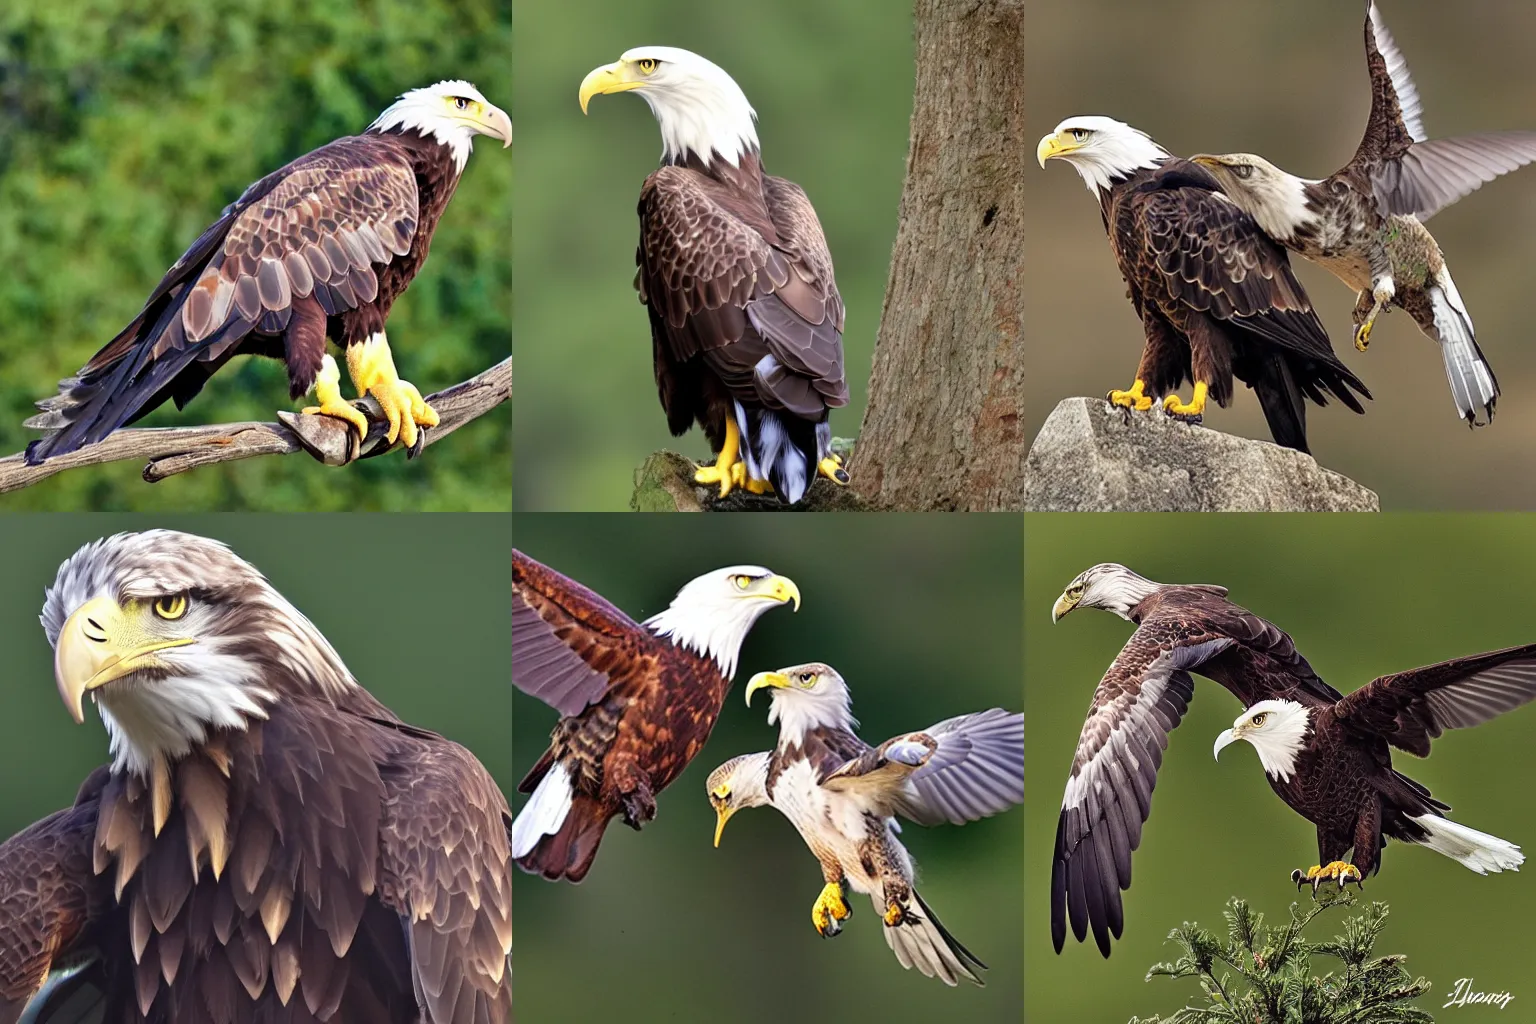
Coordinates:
[664,483]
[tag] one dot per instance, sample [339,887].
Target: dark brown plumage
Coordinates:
[1339,775]
[734,270]
[1218,300]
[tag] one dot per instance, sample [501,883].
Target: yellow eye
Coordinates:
[170,607]
[808,679]
[646,65]
[1079,134]
[1259,718]
[742,582]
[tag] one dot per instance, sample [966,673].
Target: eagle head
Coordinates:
[738,783]
[713,613]
[1109,586]
[174,636]
[1277,729]
[805,697]
[700,108]
[452,112]
[1274,198]
[1101,149]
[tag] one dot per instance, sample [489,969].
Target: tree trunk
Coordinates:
[943,429]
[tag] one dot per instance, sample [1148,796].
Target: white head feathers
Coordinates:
[712,614]
[1101,149]
[451,112]
[700,109]
[1278,731]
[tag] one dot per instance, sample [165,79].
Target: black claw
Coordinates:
[1193,419]
[421,442]
[841,476]
[1299,878]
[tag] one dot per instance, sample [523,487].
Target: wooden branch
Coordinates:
[172,450]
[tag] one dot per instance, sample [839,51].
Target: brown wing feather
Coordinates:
[48,896]
[1409,709]
[446,867]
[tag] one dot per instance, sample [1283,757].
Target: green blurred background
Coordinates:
[1362,597]
[126,128]
[1287,80]
[922,620]
[432,647]
[831,81]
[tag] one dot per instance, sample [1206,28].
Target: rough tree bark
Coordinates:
[943,427]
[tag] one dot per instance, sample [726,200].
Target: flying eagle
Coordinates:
[320,248]
[1327,756]
[746,321]
[268,843]
[637,700]
[843,796]
[1363,222]
[1216,297]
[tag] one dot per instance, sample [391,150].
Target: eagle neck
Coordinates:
[744,174]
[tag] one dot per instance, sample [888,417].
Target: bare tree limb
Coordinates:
[172,450]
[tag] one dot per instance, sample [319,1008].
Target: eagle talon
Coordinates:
[1133,399]
[373,373]
[328,393]
[1336,871]
[895,914]
[1363,334]
[1193,413]
[830,910]
[831,467]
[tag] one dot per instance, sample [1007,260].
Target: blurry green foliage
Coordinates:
[1265,975]
[126,128]
[831,81]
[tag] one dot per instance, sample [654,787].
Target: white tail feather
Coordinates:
[544,812]
[1468,847]
[1472,385]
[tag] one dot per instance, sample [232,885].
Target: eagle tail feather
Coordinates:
[1470,848]
[545,811]
[567,849]
[1285,408]
[783,449]
[1473,385]
[927,945]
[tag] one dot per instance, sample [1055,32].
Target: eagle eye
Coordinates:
[1259,718]
[461,102]
[1079,134]
[742,581]
[170,607]
[808,679]
[647,64]
[1244,171]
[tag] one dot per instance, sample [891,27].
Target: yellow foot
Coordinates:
[728,471]
[830,910]
[755,486]
[373,373]
[328,394]
[1337,871]
[1191,413]
[831,467]
[1363,334]
[1132,399]
[895,914]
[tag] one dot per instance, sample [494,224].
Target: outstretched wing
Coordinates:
[1412,174]
[567,642]
[1411,708]
[745,286]
[49,892]
[962,769]
[1140,700]
[446,869]
[300,243]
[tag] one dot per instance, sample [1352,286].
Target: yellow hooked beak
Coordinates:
[723,814]
[1206,161]
[1226,739]
[1056,144]
[766,680]
[103,641]
[610,78]
[492,121]
[782,589]
[1064,604]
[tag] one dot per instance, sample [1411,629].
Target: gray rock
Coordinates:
[1090,457]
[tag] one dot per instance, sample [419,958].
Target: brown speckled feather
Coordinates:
[637,709]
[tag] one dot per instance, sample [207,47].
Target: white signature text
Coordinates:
[1465,995]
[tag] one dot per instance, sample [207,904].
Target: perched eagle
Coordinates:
[1216,296]
[318,249]
[843,796]
[1363,222]
[268,843]
[746,321]
[637,700]
[1327,756]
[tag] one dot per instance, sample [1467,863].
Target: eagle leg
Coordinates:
[728,471]
[328,394]
[830,910]
[373,373]
[1335,871]
[831,467]
[1191,413]
[1132,399]
[1382,292]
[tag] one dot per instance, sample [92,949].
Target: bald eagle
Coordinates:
[746,321]
[1326,755]
[1216,296]
[637,700]
[843,797]
[1363,223]
[318,249]
[268,841]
